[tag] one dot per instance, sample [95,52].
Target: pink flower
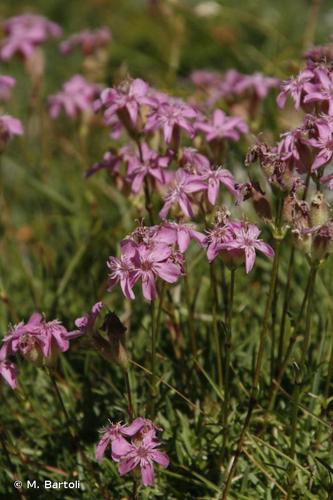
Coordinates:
[9,126]
[185,184]
[322,90]
[115,434]
[246,239]
[221,126]
[8,371]
[88,41]
[37,339]
[152,263]
[141,454]
[25,33]
[204,78]
[6,85]
[77,96]
[129,96]
[217,238]
[322,140]
[193,161]
[295,87]
[110,434]
[122,270]
[110,161]
[215,177]
[170,116]
[152,164]
[257,83]
[145,256]
[180,233]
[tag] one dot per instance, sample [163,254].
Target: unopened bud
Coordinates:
[116,335]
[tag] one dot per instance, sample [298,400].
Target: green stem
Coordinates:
[190,317]
[284,363]
[298,385]
[134,489]
[160,309]
[215,326]
[228,340]
[224,289]
[310,28]
[285,307]
[153,360]
[257,373]
[61,402]
[130,409]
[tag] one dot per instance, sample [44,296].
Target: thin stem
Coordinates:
[283,363]
[160,309]
[228,340]
[148,201]
[285,307]
[257,373]
[153,360]
[215,306]
[310,29]
[300,380]
[130,409]
[61,402]
[224,289]
[190,317]
[134,489]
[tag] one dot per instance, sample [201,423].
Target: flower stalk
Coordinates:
[254,390]
[299,382]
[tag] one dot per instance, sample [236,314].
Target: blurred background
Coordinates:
[162,38]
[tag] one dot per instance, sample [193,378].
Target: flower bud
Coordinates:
[319,210]
[116,335]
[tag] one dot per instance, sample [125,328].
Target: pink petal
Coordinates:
[250,257]
[127,465]
[264,248]
[161,458]
[147,474]
[120,446]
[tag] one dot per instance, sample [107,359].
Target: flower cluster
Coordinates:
[88,41]
[235,242]
[232,83]
[147,254]
[312,90]
[25,33]
[233,88]
[133,447]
